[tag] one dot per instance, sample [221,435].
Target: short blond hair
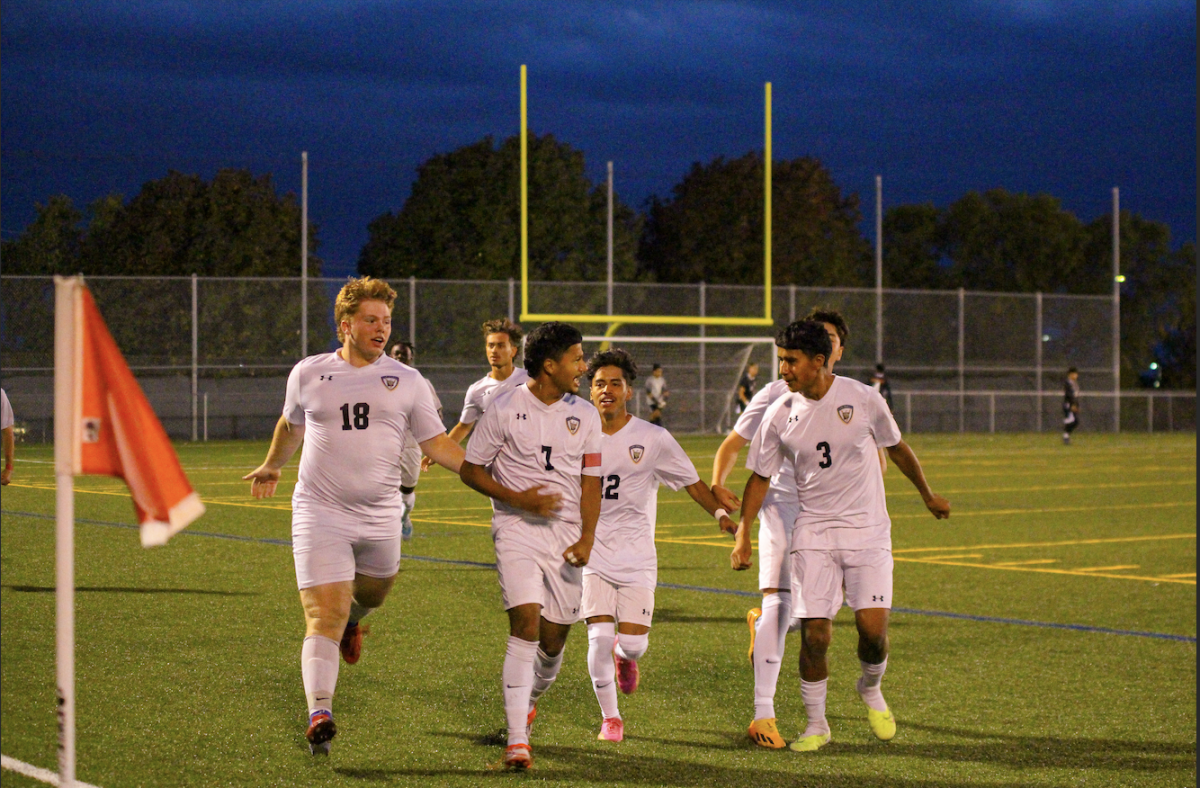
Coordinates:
[354,292]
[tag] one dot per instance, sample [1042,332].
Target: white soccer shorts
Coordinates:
[821,574]
[410,463]
[329,549]
[627,604]
[531,570]
[775,522]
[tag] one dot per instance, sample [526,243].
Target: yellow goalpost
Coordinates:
[765,320]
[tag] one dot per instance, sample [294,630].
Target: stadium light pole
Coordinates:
[878,269]
[303,254]
[610,238]
[1116,307]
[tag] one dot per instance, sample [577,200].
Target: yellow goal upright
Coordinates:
[682,320]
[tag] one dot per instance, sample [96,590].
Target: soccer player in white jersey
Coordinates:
[410,460]
[619,579]
[770,624]
[502,342]
[536,454]
[351,408]
[832,427]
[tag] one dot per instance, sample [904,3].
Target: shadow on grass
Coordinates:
[125,590]
[666,615]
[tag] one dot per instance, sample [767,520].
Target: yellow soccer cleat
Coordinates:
[882,723]
[764,733]
[810,743]
[751,620]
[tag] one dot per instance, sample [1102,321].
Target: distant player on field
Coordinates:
[352,409]
[831,428]
[536,454]
[769,624]
[620,576]
[1070,404]
[657,393]
[410,461]
[502,343]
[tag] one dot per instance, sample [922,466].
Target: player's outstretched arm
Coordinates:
[723,463]
[752,498]
[457,433]
[579,553]
[902,457]
[6,437]
[444,451]
[532,500]
[702,495]
[284,442]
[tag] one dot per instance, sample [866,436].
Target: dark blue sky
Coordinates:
[1063,97]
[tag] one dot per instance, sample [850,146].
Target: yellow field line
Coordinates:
[1059,487]
[1028,563]
[1067,543]
[1183,574]
[1107,568]
[1074,572]
[1052,510]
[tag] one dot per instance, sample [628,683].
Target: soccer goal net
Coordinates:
[702,375]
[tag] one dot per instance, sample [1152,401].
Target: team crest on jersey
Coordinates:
[636,453]
[845,413]
[572,424]
[390,381]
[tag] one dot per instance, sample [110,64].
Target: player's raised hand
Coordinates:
[263,481]
[532,500]
[939,506]
[727,499]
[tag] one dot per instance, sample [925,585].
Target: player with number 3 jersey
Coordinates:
[831,428]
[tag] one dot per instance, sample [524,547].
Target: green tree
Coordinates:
[462,219]
[50,244]
[912,248]
[711,228]
[1010,242]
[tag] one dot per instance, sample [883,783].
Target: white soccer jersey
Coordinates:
[635,460]
[481,393]
[655,387]
[783,483]
[355,420]
[528,443]
[437,405]
[834,444]
[6,414]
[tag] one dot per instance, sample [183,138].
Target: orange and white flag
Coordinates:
[116,432]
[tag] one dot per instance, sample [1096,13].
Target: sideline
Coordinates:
[675,586]
[36,772]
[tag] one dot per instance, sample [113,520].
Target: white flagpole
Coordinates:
[66,292]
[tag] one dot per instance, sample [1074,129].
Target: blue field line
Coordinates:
[674,586]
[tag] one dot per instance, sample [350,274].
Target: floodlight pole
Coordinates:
[303,254]
[878,269]
[1116,307]
[610,238]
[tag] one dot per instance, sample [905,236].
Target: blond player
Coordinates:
[770,624]
[832,427]
[619,579]
[351,408]
[536,454]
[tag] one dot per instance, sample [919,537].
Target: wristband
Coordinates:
[718,514]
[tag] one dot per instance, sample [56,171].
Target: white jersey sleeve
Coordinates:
[767,452]
[748,423]
[883,423]
[6,412]
[672,466]
[481,393]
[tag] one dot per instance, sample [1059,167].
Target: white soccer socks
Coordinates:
[319,669]
[768,651]
[601,667]
[545,671]
[813,695]
[518,684]
[409,500]
[633,647]
[869,688]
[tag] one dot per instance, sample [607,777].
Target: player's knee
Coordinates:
[633,646]
[815,639]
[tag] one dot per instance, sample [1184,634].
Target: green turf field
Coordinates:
[188,655]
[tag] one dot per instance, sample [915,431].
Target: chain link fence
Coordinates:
[213,354]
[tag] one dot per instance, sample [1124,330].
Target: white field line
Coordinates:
[36,772]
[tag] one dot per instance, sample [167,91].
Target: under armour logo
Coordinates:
[327,377]
[877,598]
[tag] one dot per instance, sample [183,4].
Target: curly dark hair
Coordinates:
[613,358]
[807,336]
[548,342]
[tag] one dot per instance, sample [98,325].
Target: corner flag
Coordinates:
[102,425]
